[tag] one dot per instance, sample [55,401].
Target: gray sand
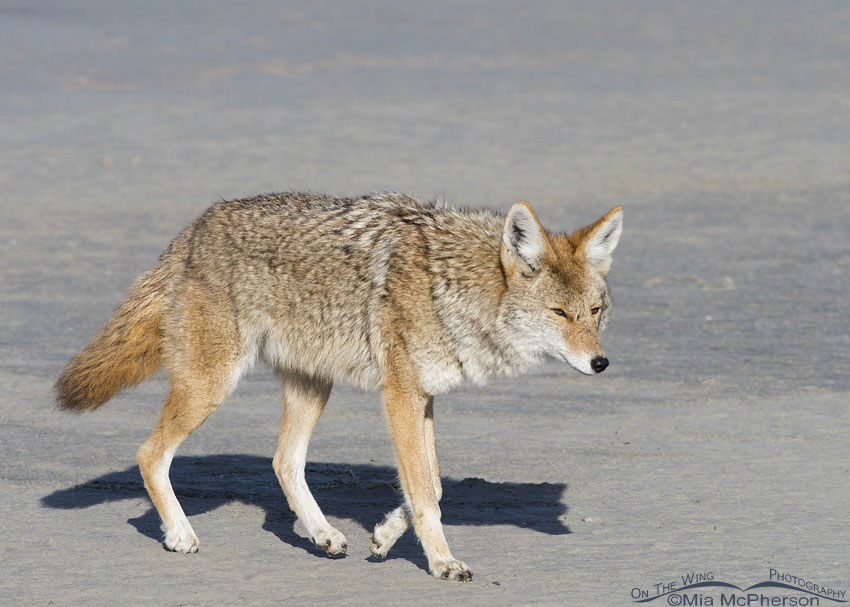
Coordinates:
[716,441]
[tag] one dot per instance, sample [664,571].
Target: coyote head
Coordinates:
[557,301]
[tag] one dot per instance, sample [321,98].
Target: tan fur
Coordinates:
[375,291]
[125,352]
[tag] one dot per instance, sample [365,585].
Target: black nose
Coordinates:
[599,364]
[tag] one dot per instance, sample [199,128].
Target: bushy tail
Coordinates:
[125,352]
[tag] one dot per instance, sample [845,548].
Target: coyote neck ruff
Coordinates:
[376,291]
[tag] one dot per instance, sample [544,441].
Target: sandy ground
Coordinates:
[716,441]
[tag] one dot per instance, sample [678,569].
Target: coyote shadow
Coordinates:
[362,493]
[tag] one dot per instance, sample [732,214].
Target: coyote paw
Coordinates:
[378,549]
[387,532]
[182,539]
[452,570]
[331,541]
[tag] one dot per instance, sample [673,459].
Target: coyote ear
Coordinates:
[597,241]
[524,242]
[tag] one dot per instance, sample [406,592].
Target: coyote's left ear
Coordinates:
[525,245]
[596,242]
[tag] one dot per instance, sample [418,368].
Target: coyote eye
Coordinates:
[560,312]
[595,310]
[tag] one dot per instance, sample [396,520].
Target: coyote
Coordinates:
[378,291]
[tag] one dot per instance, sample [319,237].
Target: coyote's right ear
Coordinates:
[524,242]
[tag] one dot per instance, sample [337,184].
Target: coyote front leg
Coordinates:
[395,523]
[406,406]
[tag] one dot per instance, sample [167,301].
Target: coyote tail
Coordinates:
[124,352]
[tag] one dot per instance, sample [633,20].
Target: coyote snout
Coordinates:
[587,364]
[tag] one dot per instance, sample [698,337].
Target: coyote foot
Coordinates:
[182,539]
[387,532]
[378,549]
[452,570]
[331,541]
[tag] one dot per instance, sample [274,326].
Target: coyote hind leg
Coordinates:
[304,400]
[184,411]
[205,357]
